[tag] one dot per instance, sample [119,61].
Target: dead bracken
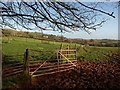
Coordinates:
[91,75]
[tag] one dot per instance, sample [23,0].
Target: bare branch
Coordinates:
[59,16]
[97,9]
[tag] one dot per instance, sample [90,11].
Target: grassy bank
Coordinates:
[13,49]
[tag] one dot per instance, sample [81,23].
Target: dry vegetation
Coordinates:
[91,75]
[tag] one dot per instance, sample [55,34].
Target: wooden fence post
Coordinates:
[26,69]
[26,59]
[61,46]
[76,53]
[58,59]
[68,52]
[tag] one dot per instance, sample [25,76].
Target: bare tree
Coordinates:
[58,16]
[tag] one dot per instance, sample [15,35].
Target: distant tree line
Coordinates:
[10,33]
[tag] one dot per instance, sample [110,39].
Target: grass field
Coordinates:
[95,53]
[14,50]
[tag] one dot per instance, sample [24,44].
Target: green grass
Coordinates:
[18,45]
[95,53]
[14,49]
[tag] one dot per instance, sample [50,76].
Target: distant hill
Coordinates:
[41,36]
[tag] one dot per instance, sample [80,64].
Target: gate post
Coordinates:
[26,58]
[26,69]
[58,58]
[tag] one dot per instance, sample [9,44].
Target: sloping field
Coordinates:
[91,74]
[15,48]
